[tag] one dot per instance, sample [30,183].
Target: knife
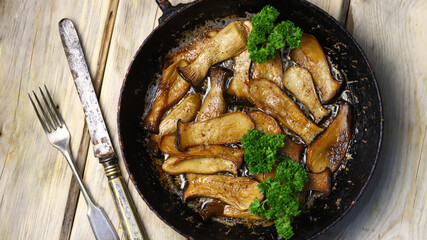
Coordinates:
[102,146]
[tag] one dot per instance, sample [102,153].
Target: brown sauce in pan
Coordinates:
[176,184]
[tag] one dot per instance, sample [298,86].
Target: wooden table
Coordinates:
[39,199]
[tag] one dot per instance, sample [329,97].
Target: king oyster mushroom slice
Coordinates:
[238,85]
[186,110]
[270,98]
[311,56]
[265,122]
[238,192]
[320,182]
[261,177]
[224,129]
[291,149]
[167,146]
[190,51]
[227,43]
[214,103]
[205,165]
[299,82]
[330,148]
[172,87]
[222,209]
[271,70]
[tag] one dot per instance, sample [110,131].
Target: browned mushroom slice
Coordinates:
[265,122]
[167,146]
[271,70]
[214,103]
[270,98]
[227,128]
[311,56]
[330,148]
[170,90]
[239,83]
[261,177]
[238,192]
[302,196]
[248,26]
[212,209]
[193,49]
[186,110]
[222,209]
[230,211]
[177,91]
[226,44]
[208,165]
[299,82]
[291,149]
[319,182]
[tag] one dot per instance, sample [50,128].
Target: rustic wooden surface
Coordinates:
[34,177]
[37,194]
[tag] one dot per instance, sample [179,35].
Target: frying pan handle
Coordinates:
[167,9]
[164,5]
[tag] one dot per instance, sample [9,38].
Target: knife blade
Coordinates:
[102,145]
[76,60]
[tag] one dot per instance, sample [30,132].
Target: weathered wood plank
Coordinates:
[134,21]
[34,177]
[336,8]
[128,34]
[84,144]
[394,37]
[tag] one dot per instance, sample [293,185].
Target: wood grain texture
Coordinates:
[126,38]
[34,177]
[73,194]
[394,37]
[127,35]
[336,8]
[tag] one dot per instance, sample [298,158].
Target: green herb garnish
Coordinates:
[265,37]
[261,149]
[280,203]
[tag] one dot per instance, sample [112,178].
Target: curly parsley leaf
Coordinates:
[266,37]
[281,203]
[284,227]
[261,150]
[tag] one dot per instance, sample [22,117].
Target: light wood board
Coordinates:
[126,38]
[134,21]
[34,177]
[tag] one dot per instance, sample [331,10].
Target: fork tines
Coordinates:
[51,118]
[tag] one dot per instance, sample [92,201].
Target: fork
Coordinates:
[59,136]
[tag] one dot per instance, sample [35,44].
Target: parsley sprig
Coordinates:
[261,149]
[280,203]
[266,37]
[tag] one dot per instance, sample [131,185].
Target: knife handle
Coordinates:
[124,204]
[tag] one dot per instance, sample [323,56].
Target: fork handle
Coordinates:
[100,223]
[124,204]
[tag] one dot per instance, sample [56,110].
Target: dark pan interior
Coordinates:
[342,50]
